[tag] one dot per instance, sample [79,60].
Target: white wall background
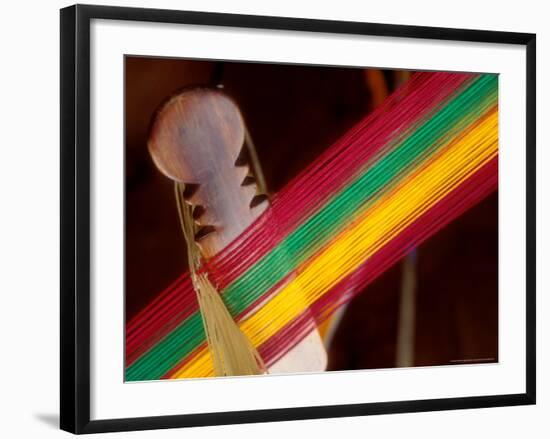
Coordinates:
[29,237]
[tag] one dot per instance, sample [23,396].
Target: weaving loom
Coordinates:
[428,154]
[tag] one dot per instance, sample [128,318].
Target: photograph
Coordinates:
[292,218]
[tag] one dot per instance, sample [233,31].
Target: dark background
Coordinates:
[293,113]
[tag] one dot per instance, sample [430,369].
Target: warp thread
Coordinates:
[425,156]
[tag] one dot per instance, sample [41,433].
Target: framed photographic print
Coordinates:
[268,218]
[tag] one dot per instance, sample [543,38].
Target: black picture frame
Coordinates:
[75,217]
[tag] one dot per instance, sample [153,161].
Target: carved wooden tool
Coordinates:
[196,139]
